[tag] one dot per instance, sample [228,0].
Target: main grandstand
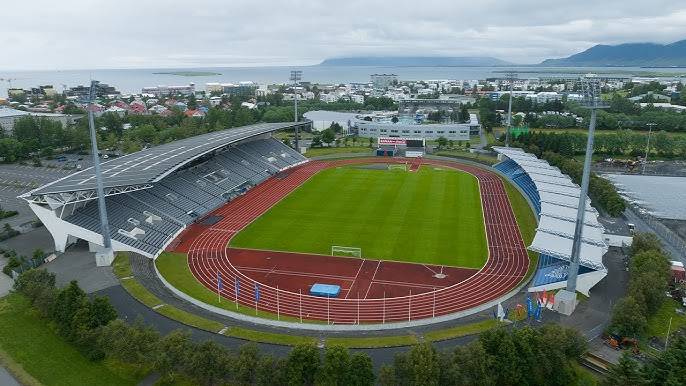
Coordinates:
[555,199]
[154,194]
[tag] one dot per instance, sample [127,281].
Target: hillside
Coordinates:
[415,61]
[630,54]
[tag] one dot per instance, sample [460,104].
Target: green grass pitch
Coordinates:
[430,216]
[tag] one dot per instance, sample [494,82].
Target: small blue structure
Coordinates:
[326,290]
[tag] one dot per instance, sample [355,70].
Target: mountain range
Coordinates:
[629,54]
[601,55]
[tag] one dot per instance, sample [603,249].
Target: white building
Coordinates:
[159,91]
[383,81]
[8,116]
[456,132]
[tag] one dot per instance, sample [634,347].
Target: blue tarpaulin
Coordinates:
[327,290]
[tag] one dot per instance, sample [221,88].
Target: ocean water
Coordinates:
[132,80]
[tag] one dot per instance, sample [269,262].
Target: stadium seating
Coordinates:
[515,173]
[147,219]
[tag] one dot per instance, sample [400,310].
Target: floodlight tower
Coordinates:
[106,255]
[296,76]
[511,76]
[592,101]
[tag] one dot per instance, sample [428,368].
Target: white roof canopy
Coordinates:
[559,199]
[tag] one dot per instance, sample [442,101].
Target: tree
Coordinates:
[395,119]
[316,141]
[669,368]
[209,364]
[328,136]
[302,364]
[336,127]
[627,372]
[645,242]
[419,366]
[135,344]
[335,368]
[67,303]
[627,318]
[442,142]
[245,367]
[387,376]
[361,370]
[173,355]
[270,371]
[34,282]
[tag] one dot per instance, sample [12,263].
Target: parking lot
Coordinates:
[18,179]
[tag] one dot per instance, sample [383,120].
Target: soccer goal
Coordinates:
[397,167]
[337,250]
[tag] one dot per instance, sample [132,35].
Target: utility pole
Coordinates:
[296,76]
[106,256]
[511,77]
[591,86]
[650,131]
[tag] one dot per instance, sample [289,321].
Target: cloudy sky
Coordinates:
[85,34]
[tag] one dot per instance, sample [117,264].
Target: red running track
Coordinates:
[208,254]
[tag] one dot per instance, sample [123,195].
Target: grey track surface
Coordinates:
[6,379]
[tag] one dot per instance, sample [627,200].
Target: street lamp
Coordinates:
[296,76]
[650,131]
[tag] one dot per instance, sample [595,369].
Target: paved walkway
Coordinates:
[6,282]
[6,379]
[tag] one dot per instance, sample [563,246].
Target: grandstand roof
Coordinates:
[559,200]
[153,164]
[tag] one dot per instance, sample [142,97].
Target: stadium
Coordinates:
[356,243]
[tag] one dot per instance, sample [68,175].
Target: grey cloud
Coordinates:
[43,34]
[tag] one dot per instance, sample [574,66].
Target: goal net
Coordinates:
[337,250]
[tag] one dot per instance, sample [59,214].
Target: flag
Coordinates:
[539,310]
[219,281]
[257,292]
[551,298]
[501,312]
[237,284]
[529,306]
[545,297]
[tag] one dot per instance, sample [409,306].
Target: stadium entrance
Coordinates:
[404,147]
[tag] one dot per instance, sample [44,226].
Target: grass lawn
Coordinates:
[430,216]
[32,344]
[458,153]
[318,151]
[659,323]
[461,330]
[373,341]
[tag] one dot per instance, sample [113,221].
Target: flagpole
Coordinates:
[235,287]
[328,310]
[300,298]
[433,313]
[358,307]
[383,318]
[409,306]
[219,279]
[278,311]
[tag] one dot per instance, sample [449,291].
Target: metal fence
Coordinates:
[661,229]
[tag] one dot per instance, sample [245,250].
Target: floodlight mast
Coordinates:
[107,254]
[511,75]
[591,86]
[296,76]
